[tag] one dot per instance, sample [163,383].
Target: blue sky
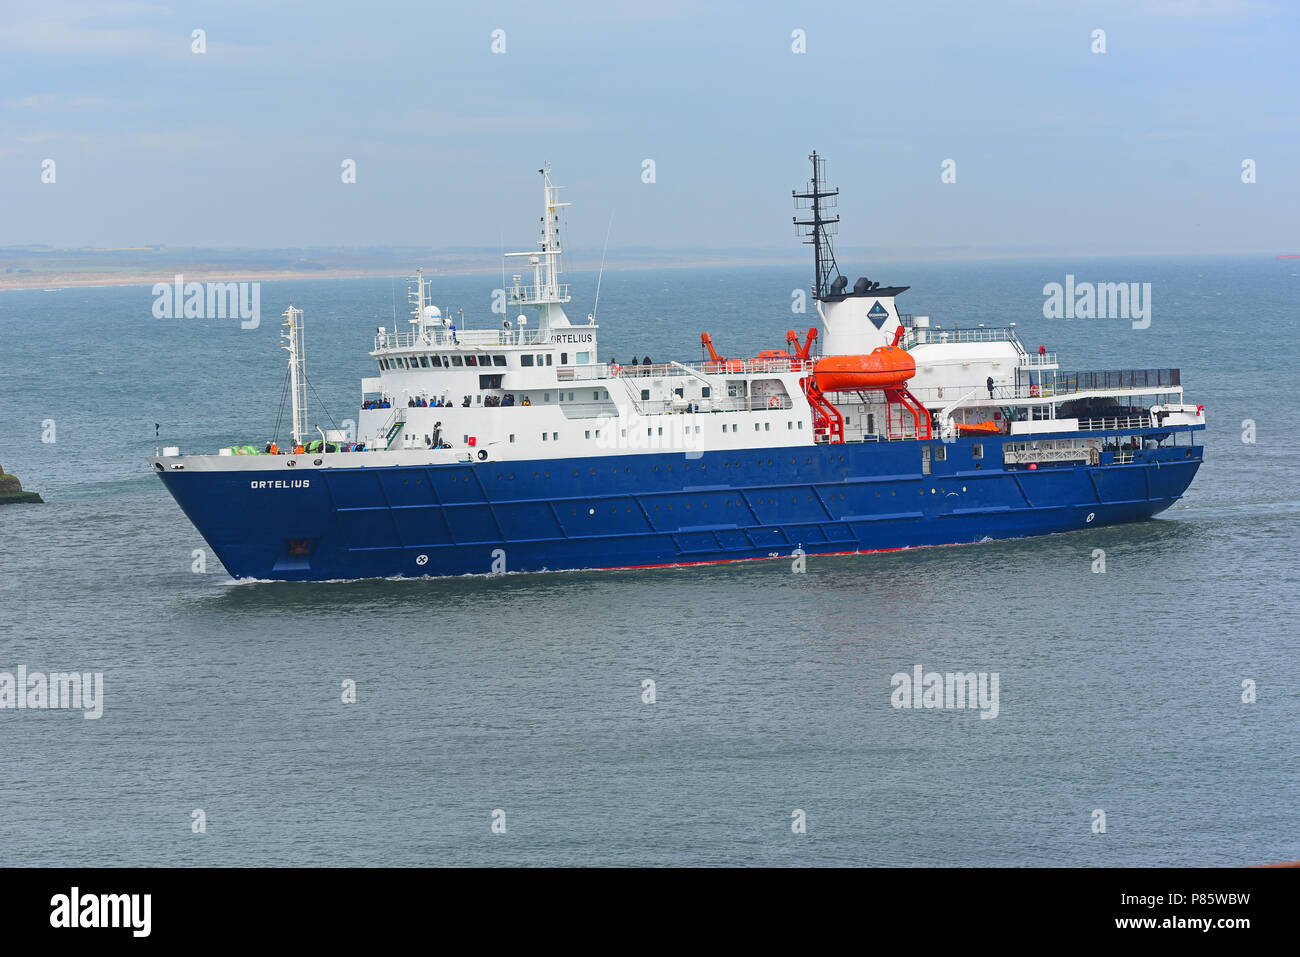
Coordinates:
[1057,149]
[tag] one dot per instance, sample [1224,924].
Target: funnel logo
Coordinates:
[878,315]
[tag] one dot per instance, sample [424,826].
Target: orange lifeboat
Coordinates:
[987,427]
[887,367]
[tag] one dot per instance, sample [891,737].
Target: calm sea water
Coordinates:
[1119,692]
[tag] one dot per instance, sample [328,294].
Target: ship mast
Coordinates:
[546,292]
[818,230]
[294,342]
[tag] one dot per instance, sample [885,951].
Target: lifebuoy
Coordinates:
[774,403]
[482,455]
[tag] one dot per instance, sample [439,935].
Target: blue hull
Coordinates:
[651,509]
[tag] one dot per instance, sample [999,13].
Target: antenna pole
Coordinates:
[819,229]
[601,275]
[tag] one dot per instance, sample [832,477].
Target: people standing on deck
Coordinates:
[634,362]
[990,385]
[645,361]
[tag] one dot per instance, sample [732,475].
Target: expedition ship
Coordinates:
[515,448]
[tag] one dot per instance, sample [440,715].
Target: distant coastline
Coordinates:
[28,268]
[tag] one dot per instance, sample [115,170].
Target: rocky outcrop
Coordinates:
[11,490]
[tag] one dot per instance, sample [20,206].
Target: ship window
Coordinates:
[977,451]
[541,360]
[704,392]
[564,358]
[598,436]
[595,396]
[485,360]
[424,362]
[790,426]
[457,361]
[543,436]
[940,453]
[583,358]
[498,360]
[767,426]
[555,436]
[526,361]
[755,426]
[589,433]
[925,460]
[546,397]
[471,361]
[679,392]
[436,361]
[512,436]
[548,358]
[645,394]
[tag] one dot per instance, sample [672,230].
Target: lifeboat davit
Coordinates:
[887,367]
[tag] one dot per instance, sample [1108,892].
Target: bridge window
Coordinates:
[498,360]
[526,361]
[471,361]
[485,360]
[424,362]
[458,361]
[436,361]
